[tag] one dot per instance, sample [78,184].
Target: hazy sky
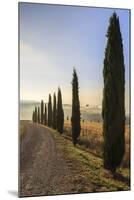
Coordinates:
[53,39]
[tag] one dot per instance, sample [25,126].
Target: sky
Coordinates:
[54,39]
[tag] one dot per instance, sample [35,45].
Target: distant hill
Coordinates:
[90,113]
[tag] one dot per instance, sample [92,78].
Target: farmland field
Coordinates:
[91,138]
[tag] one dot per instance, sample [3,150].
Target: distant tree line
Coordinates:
[50,115]
[113,105]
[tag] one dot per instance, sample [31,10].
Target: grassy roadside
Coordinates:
[92,168]
[91,139]
[22,129]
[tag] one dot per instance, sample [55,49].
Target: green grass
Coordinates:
[92,168]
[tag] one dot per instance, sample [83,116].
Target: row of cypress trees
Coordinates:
[50,115]
[113,106]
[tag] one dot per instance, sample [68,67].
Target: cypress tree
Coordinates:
[42,111]
[113,108]
[54,111]
[75,119]
[33,116]
[38,115]
[50,111]
[45,115]
[60,113]
[62,120]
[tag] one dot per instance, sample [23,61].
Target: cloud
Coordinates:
[41,72]
[32,58]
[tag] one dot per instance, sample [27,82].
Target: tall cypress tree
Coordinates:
[113,107]
[38,114]
[45,115]
[54,111]
[36,118]
[42,111]
[50,111]
[60,113]
[33,116]
[75,120]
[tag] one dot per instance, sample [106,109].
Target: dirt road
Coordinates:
[43,168]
